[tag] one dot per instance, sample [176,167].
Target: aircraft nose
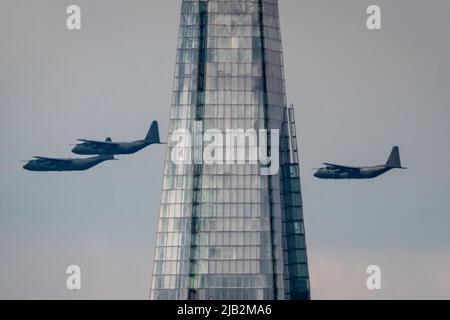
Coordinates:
[76,149]
[318,174]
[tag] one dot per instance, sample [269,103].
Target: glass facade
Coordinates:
[225,231]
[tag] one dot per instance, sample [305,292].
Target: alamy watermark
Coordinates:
[73,281]
[374,280]
[73,21]
[234,146]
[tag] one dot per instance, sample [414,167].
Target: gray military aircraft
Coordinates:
[334,171]
[90,147]
[52,164]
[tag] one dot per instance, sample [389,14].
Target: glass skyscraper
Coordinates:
[226,231]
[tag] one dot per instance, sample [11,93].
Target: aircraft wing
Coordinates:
[52,159]
[342,168]
[98,143]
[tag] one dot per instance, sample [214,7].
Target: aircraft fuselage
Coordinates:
[360,173]
[41,165]
[121,148]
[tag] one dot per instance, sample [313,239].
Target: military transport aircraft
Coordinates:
[90,147]
[52,164]
[334,171]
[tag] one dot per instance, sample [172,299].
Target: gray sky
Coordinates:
[357,93]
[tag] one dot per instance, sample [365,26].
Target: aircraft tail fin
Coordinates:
[153,134]
[394,159]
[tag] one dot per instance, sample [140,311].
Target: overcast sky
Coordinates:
[357,93]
